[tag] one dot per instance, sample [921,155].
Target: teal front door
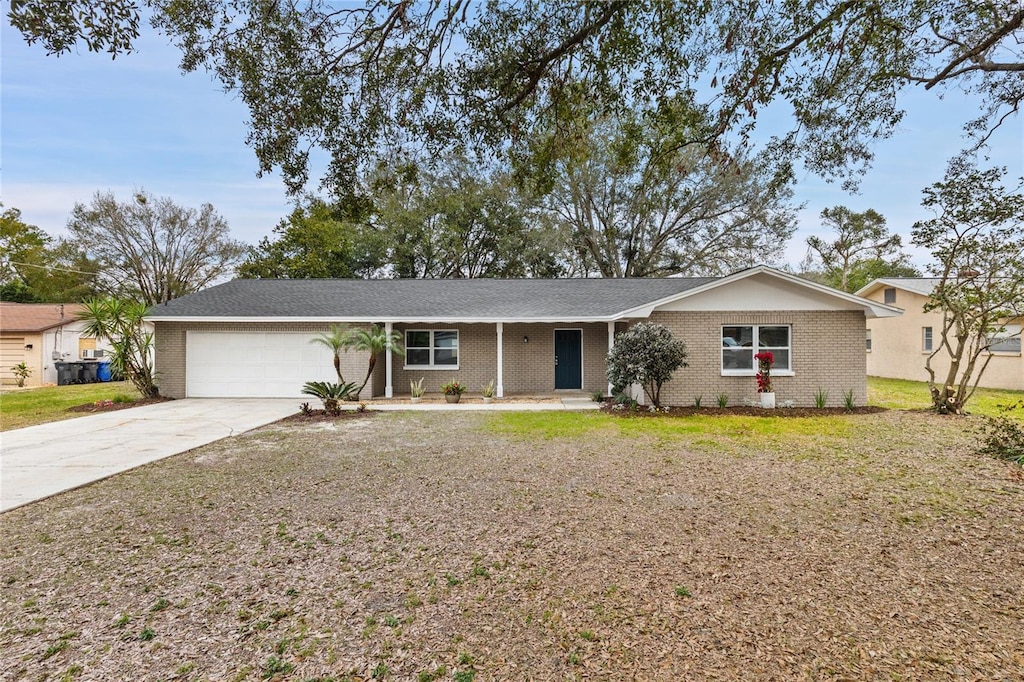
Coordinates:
[569,359]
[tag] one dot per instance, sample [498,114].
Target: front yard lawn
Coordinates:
[541,546]
[899,394]
[20,408]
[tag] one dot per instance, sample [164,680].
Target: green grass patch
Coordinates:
[19,409]
[900,394]
[550,425]
[694,428]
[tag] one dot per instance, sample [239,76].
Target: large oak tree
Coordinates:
[349,78]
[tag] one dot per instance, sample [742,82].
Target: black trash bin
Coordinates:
[66,373]
[90,372]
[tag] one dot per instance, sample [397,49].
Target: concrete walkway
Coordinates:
[39,461]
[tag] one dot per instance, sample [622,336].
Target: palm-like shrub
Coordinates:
[123,323]
[374,340]
[337,340]
[329,393]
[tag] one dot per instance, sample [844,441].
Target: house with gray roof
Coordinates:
[529,336]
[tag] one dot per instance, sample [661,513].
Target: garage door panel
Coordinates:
[253,364]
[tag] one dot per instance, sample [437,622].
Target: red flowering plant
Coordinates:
[765,360]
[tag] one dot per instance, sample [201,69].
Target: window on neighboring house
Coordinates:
[890,296]
[429,348]
[1006,340]
[867,341]
[741,342]
[926,339]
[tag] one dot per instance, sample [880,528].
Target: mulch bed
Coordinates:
[110,406]
[742,411]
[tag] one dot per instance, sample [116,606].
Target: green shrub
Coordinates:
[1003,436]
[820,398]
[329,393]
[723,400]
[645,354]
[848,400]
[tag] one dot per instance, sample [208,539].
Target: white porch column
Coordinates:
[611,342]
[500,388]
[389,390]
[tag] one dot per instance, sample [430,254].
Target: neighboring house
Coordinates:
[252,337]
[40,334]
[898,347]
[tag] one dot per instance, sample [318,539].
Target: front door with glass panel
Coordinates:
[569,359]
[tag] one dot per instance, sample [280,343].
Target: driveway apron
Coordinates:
[43,460]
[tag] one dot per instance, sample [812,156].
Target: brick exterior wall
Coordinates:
[170,357]
[827,348]
[827,352]
[528,367]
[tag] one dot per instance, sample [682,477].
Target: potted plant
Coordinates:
[453,391]
[765,360]
[416,390]
[488,392]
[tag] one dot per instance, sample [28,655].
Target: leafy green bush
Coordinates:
[331,394]
[645,354]
[1003,436]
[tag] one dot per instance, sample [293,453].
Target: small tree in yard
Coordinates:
[977,240]
[645,354]
[123,323]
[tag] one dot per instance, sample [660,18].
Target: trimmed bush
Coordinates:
[645,354]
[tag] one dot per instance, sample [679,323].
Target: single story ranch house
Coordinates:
[252,338]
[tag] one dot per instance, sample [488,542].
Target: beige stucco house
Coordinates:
[252,337]
[40,335]
[898,347]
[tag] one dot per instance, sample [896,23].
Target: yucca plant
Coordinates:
[329,393]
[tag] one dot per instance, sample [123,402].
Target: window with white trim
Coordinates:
[867,340]
[432,348]
[1005,340]
[741,342]
[926,339]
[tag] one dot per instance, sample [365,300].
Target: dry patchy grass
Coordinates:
[531,546]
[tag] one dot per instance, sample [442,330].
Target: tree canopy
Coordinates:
[348,78]
[860,249]
[36,268]
[633,204]
[151,249]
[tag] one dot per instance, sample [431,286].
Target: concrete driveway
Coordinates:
[42,460]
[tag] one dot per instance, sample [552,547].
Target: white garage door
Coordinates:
[253,364]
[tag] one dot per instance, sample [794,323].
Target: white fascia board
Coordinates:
[403,320]
[871,308]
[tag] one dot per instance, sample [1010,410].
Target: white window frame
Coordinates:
[1005,333]
[432,348]
[754,350]
[867,340]
[927,339]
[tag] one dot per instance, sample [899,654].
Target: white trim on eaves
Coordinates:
[382,318]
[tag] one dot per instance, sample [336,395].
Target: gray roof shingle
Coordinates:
[442,299]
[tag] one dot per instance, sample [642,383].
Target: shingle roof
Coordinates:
[442,299]
[36,317]
[919,285]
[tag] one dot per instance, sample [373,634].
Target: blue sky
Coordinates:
[73,125]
